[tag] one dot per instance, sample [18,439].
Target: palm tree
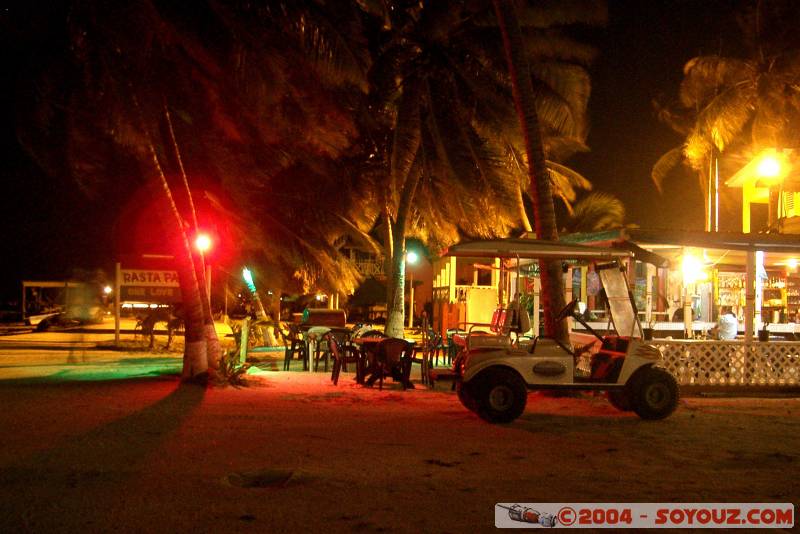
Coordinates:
[454,160]
[247,107]
[540,187]
[738,105]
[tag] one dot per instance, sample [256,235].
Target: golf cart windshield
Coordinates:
[620,306]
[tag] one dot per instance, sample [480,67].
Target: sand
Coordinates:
[293,453]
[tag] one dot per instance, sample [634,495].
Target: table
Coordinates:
[369,346]
[313,334]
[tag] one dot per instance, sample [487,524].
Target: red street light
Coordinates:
[202,242]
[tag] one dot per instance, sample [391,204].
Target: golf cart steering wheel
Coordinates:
[567,311]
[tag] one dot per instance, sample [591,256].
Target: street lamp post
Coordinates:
[203,244]
[411,259]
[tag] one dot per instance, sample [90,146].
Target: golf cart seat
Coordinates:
[505,321]
[606,365]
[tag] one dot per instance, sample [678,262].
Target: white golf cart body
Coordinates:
[609,362]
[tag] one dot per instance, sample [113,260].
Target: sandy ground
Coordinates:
[95,440]
[293,453]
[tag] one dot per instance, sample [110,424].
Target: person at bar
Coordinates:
[727,324]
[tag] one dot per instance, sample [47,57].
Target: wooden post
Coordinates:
[411,300]
[648,312]
[749,295]
[117,300]
[244,340]
[208,284]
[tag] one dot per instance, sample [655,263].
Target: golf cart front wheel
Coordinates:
[655,394]
[500,394]
[620,400]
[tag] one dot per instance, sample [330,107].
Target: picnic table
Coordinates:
[378,362]
[312,337]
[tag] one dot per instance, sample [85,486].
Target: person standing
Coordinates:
[727,324]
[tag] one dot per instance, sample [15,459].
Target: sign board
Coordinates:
[150,285]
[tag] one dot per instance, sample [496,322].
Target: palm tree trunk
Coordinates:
[523,215]
[195,355]
[396,286]
[388,246]
[213,347]
[541,193]
[397,281]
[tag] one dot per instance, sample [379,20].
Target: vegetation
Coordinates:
[737,105]
[301,123]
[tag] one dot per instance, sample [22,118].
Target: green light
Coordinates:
[248,279]
[411,257]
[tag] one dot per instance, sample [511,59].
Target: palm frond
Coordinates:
[596,212]
[566,181]
[332,36]
[572,83]
[725,116]
[406,139]
[705,76]
[550,45]
[697,149]
[664,166]
[549,13]
[561,147]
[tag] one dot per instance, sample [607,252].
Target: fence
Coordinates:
[732,363]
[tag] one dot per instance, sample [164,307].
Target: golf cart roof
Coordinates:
[533,248]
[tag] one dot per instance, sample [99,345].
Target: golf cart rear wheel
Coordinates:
[466,397]
[501,395]
[620,400]
[655,394]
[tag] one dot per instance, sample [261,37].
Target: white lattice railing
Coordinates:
[732,363]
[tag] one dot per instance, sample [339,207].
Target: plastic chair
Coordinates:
[323,349]
[341,357]
[293,344]
[423,355]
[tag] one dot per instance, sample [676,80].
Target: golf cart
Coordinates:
[494,371]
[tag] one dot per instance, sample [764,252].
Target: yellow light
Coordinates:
[692,269]
[792,263]
[203,242]
[107,290]
[769,167]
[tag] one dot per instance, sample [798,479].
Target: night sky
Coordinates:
[50,227]
[642,55]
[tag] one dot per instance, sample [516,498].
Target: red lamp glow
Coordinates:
[202,242]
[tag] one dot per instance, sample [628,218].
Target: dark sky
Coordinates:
[49,227]
[642,54]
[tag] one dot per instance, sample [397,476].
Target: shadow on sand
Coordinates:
[96,465]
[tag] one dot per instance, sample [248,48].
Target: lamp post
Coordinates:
[203,244]
[411,259]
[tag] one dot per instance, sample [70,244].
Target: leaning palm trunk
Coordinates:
[213,347]
[396,311]
[541,193]
[397,279]
[195,355]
